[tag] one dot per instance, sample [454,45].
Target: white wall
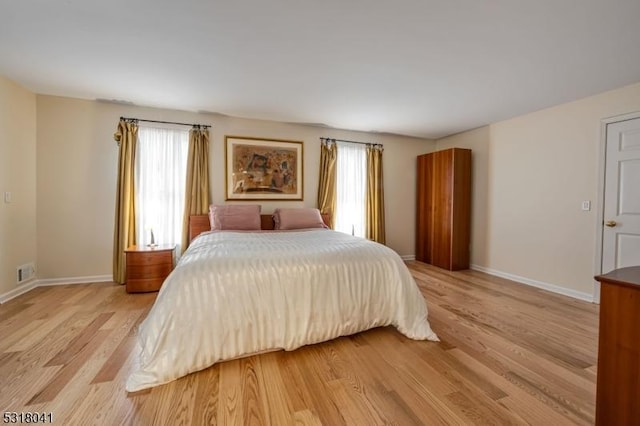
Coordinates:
[540,167]
[18,176]
[77,161]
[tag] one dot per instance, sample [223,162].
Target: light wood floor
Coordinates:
[509,354]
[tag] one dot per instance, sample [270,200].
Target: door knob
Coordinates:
[610,223]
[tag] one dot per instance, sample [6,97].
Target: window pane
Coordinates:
[351,187]
[161,170]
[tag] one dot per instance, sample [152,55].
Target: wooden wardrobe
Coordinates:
[444,208]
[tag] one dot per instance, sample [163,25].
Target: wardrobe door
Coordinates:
[424,206]
[442,209]
[461,210]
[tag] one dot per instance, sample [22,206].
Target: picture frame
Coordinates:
[263,169]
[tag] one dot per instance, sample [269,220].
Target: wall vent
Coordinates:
[26,272]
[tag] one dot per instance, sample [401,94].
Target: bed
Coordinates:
[237,293]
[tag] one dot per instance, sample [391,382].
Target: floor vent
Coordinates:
[26,272]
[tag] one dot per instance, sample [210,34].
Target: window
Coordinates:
[351,184]
[160,179]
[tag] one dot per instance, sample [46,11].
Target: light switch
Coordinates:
[7,197]
[586,206]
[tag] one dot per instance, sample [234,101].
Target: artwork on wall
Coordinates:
[263,169]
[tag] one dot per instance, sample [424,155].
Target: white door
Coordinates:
[621,230]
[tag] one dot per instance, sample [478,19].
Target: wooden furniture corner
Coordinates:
[618,388]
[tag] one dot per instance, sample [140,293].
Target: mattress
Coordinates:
[234,294]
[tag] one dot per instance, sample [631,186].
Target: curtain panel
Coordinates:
[375,196]
[124,234]
[327,181]
[197,188]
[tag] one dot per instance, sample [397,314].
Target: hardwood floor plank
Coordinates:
[125,346]
[70,367]
[544,412]
[251,401]
[309,374]
[15,368]
[205,407]
[477,412]
[276,403]
[345,360]
[16,396]
[19,335]
[9,310]
[353,404]
[79,343]
[415,395]
[230,395]
[354,393]
[95,408]
[175,401]
[299,395]
[45,327]
[306,418]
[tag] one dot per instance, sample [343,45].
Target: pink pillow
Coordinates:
[235,217]
[301,218]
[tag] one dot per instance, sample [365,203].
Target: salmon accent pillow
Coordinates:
[300,218]
[235,217]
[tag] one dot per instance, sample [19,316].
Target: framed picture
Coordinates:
[263,169]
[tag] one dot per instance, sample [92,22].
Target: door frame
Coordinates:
[602,162]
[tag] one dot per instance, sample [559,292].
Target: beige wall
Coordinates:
[77,160]
[540,167]
[478,141]
[530,175]
[18,176]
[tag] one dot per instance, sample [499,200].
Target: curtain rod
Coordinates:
[343,140]
[204,126]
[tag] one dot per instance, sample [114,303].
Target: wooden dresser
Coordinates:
[618,389]
[147,267]
[443,214]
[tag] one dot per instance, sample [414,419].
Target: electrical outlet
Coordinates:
[7,197]
[586,206]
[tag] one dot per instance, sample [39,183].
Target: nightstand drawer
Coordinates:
[157,270]
[147,267]
[149,258]
[144,286]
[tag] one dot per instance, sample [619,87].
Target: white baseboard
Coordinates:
[52,281]
[408,257]
[18,291]
[75,280]
[538,284]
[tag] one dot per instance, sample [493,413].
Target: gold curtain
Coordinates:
[124,234]
[375,195]
[197,190]
[327,181]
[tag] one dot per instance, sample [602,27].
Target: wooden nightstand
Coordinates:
[147,267]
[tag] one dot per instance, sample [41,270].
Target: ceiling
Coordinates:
[425,68]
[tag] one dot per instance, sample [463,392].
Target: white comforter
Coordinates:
[239,293]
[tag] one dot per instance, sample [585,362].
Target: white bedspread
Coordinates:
[238,293]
